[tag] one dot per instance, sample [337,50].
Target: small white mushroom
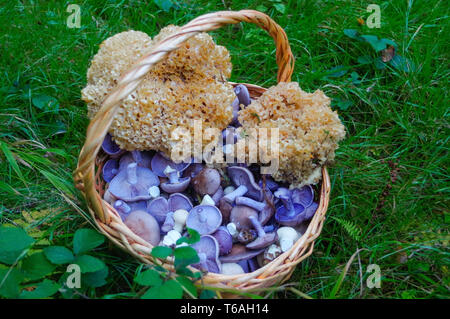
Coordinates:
[272,252]
[232,229]
[179,217]
[171,238]
[228,190]
[287,236]
[232,269]
[154,191]
[207,200]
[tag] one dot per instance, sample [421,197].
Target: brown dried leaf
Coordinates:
[388,53]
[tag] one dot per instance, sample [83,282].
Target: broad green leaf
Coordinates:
[168,290]
[280,7]
[161,252]
[95,279]
[89,264]
[194,237]
[58,255]
[41,290]
[36,266]
[185,256]
[45,102]
[86,239]
[373,40]
[365,59]
[352,33]
[164,4]
[188,285]
[379,64]
[10,280]
[149,277]
[13,241]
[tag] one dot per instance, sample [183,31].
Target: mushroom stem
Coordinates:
[122,207]
[132,173]
[259,206]
[240,191]
[288,204]
[257,225]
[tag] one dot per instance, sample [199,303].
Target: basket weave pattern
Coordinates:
[87,175]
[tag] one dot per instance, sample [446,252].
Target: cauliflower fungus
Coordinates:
[189,84]
[308,130]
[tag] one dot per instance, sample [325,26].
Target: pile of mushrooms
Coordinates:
[245,219]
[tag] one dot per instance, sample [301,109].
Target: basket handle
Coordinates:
[97,129]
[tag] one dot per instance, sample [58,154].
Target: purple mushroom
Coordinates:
[205,219]
[270,184]
[264,239]
[265,209]
[143,159]
[124,209]
[160,206]
[110,147]
[240,216]
[144,225]
[207,249]
[224,239]
[243,179]
[110,169]
[175,183]
[304,195]
[242,94]
[133,183]
[289,214]
[193,170]
[160,162]
[240,252]
[207,181]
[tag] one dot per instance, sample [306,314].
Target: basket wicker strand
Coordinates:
[106,217]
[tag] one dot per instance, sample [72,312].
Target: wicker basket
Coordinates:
[90,161]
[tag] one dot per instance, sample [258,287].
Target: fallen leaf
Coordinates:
[361,21]
[388,53]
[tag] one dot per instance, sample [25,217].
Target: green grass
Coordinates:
[391,117]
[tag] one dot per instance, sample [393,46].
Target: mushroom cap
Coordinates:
[240,252]
[264,241]
[235,105]
[160,162]
[282,191]
[242,93]
[158,208]
[225,208]
[303,195]
[224,239]
[110,169]
[192,170]
[270,184]
[208,246]
[110,147]
[207,181]
[310,211]
[240,216]
[144,225]
[142,158]
[205,219]
[283,216]
[181,186]
[179,201]
[232,269]
[129,190]
[242,176]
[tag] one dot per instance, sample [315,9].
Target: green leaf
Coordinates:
[86,239]
[337,71]
[45,102]
[43,289]
[365,59]
[207,294]
[185,256]
[10,280]
[402,64]
[352,33]
[13,242]
[342,104]
[194,237]
[261,8]
[36,266]
[58,255]
[149,277]
[89,264]
[188,285]
[379,64]
[161,252]
[373,40]
[280,7]
[95,279]
[11,160]
[168,290]
[164,4]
